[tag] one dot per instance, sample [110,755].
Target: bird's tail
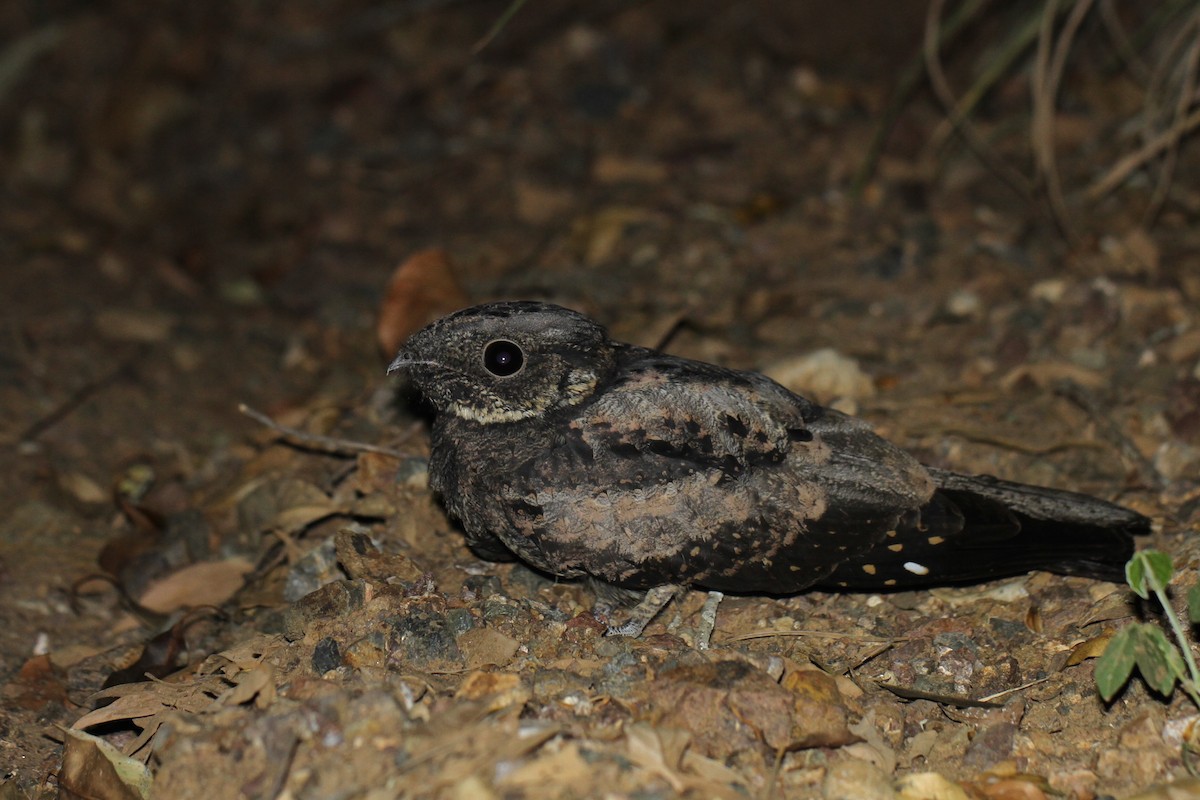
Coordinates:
[978,528]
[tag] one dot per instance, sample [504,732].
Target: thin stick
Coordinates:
[498,26]
[1121,44]
[75,400]
[1047,79]
[328,444]
[996,696]
[853,637]
[1183,101]
[1122,169]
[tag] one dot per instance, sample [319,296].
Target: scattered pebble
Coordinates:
[823,375]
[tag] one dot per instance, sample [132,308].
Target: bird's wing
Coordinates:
[681,472]
[695,413]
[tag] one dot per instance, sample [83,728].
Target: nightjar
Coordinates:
[585,457]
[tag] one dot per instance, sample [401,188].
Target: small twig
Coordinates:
[995,69]
[992,697]
[1004,443]
[329,444]
[1047,78]
[1121,43]
[498,26]
[18,56]
[1122,169]
[77,399]
[1182,103]
[856,637]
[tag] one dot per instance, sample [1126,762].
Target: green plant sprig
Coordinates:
[1144,645]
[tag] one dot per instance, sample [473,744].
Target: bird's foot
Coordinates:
[656,600]
[708,620]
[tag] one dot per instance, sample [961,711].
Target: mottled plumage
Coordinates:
[586,457]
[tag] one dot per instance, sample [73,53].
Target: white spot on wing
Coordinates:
[915,568]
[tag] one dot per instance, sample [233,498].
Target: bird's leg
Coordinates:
[655,601]
[708,620]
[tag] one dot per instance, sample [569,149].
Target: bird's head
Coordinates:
[504,362]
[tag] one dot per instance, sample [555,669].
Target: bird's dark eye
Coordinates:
[503,358]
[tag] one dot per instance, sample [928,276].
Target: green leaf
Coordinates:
[1193,600]
[1159,662]
[1147,571]
[1115,664]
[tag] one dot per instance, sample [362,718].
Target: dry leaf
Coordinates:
[825,374]
[1092,648]
[94,769]
[207,583]
[563,766]
[137,700]
[286,504]
[257,684]
[421,289]
[646,749]
[39,684]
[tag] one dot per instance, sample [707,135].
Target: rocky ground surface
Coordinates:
[213,204]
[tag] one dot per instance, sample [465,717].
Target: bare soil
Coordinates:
[203,205]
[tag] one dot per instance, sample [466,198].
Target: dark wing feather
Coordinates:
[977,528]
[726,481]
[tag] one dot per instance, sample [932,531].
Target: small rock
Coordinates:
[824,374]
[130,325]
[326,655]
[316,568]
[331,600]
[964,304]
[1174,460]
[1049,291]
[855,779]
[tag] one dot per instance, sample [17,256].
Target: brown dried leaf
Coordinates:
[83,488]
[94,769]
[244,656]
[38,684]
[559,767]
[539,204]
[287,504]
[257,684]
[134,701]
[1092,648]
[421,289]
[647,749]
[207,583]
